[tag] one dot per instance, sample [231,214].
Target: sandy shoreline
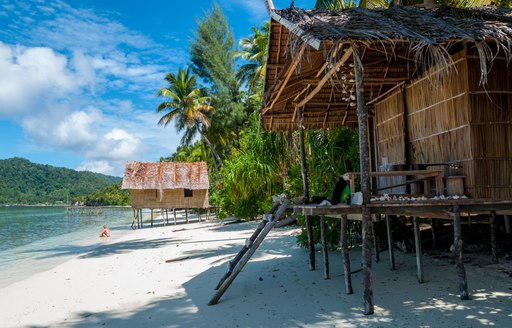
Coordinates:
[128,283]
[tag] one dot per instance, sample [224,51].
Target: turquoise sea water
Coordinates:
[35,238]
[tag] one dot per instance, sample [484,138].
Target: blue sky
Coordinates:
[78,78]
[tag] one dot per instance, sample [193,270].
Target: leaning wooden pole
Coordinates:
[243,261]
[248,244]
[364,160]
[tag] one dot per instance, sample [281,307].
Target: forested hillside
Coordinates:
[24,182]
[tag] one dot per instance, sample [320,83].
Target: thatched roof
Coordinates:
[165,175]
[395,46]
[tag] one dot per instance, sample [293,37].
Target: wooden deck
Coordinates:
[441,209]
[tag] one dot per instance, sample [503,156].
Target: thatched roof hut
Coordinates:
[437,84]
[421,85]
[167,184]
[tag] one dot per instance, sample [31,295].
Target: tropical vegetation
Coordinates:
[24,182]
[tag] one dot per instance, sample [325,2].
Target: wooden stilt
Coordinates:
[151,218]
[492,223]
[456,249]
[419,255]
[325,251]
[311,242]
[433,228]
[346,254]
[198,215]
[508,228]
[375,244]
[140,217]
[391,249]
[167,215]
[174,212]
[252,248]
[364,163]
[186,214]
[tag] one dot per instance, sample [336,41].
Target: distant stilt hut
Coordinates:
[164,185]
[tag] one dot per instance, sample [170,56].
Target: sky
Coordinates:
[78,78]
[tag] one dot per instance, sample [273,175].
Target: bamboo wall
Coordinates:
[389,118]
[490,119]
[172,198]
[452,119]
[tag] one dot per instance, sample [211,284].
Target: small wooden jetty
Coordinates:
[82,210]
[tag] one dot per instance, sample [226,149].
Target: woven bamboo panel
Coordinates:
[172,198]
[390,129]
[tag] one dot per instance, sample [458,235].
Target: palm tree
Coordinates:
[254,50]
[187,107]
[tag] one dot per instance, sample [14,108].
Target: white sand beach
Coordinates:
[128,283]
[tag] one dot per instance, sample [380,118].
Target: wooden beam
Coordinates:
[287,77]
[313,42]
[326,77]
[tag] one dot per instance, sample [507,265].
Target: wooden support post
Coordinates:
[167,216]
[390,243]
[346,254]
[417,244]
[198,215]
[456,249]
[433,228]
[151,218]
[492,223]
[311,242]
[303,166]
[508,229]
[186,214]
[364,163]
[325,251]
[174,213]
[140,218]
[245,258]
[375,244]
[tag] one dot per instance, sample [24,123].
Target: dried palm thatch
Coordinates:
[165,175]
[310,63]
[163,184]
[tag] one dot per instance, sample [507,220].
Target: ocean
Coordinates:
[36,238]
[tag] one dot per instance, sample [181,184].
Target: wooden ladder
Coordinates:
[251,245]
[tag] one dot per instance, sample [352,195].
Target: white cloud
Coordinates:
[103,167]
[87,88]
[30,74]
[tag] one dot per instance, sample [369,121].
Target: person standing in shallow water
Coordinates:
[105,232]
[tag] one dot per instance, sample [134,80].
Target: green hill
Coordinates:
[24,182]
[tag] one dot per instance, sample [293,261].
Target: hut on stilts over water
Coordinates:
[428,89]
[166,185]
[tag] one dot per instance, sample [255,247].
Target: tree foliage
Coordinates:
[24,182]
